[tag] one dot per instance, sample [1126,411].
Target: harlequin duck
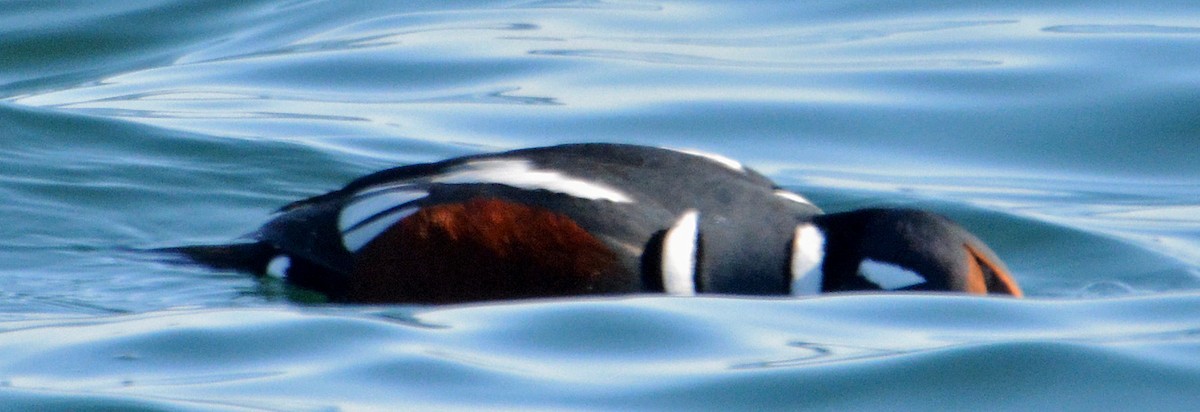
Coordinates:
[585,219]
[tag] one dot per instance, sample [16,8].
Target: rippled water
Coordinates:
[1063,133]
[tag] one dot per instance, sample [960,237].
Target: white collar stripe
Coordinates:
[374,202]
[808,253]
[679,255]
[360,235]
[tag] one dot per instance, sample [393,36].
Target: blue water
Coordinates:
[1063,133]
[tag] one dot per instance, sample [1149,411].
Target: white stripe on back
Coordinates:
[520,173]
[888,276]
[793,197]
[679,254]
[722,160]
[808,253]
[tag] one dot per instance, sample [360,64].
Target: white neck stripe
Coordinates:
[679,255]
[808,252]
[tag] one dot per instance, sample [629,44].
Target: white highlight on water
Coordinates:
[808,252]
[679,254]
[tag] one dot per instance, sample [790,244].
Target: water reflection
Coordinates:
[816,353]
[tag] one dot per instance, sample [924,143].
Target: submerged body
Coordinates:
[598,219]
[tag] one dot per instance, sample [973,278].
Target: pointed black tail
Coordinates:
[246,257]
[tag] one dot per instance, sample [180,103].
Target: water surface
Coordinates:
[1062,133]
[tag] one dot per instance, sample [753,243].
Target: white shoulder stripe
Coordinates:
[371,202]
[808,253]
[521,174]
[793,197]
[679,254]
[889,276]
[359,236]
[724,161]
